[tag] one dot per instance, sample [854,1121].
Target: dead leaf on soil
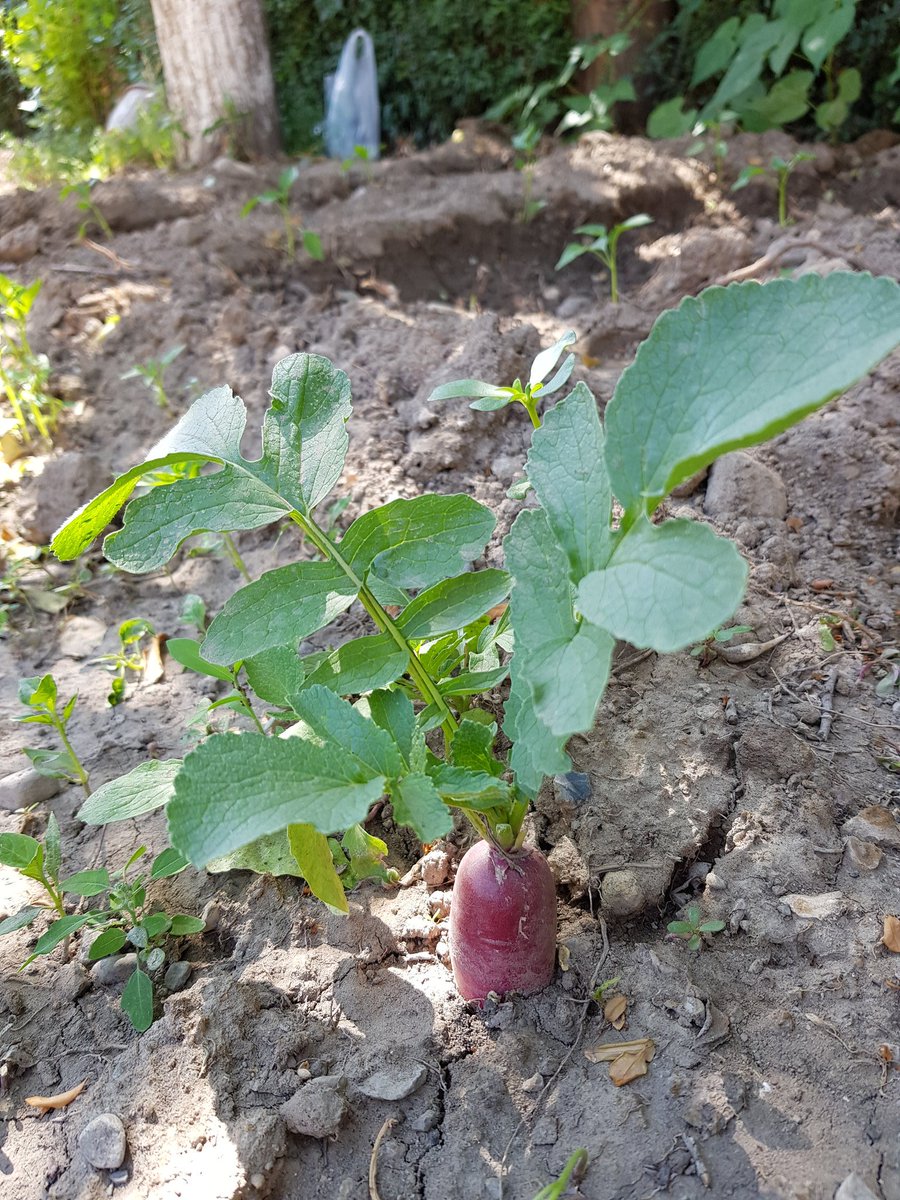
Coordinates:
[154,670]
[890,937]
[614,1010]
[627,1060]
[817,908]
[45,601]
[46,1103]
[565,957]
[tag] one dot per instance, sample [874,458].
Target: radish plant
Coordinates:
[725,370]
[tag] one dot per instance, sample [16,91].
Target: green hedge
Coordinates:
[437,61]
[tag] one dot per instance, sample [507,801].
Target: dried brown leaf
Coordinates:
[46,1103]
[614,1010]
[890,937]
[154,670]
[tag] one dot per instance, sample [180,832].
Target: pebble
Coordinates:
[573,788]
[211,915]
[740,486]
[866,856]
[118,968]
[117,1178]
[873,824]
[426,1121]
[393,1083]
[825,904]
[534,1083]
[622,893]
[21,243]
[177,976]
[854,1188]
[25,788]
[81,636]
[102,1142]
[318,1108]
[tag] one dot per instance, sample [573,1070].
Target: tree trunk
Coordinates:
[215,57]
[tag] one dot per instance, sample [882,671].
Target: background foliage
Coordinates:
[437,60]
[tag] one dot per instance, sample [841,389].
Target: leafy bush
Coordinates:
[437,62]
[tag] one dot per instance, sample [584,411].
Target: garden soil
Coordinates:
[774,1070]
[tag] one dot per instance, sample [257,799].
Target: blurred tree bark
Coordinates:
[215,57]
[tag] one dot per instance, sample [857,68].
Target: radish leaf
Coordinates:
[147,786]
[454,603]
[418,804]
[362,665]
[313,856]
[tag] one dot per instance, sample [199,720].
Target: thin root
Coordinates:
[373,1161]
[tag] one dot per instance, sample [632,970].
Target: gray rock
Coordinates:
[393,1083]
[67,480]
[741,486]
[177,976]
[102,1142]
[623,893]
[81,636]
[117,1178]
[854,1188]
[25,788]
[116,969]
[21,243]
[873,824]
[317,1109]
[426,1121]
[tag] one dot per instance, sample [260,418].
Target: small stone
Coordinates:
[25,788]
[81,636]
[393,1083]
[865,856]
[211,915]
[741,486]
[622,893]
[116,969]
[569,868]
[873,824]
[854,1188]
[177,976]
[427,1121]
[825,904]
[258,1181]
[117,1178]
[102,1142]
[534,1083]
[317,1109]
[572,789]
[21,243]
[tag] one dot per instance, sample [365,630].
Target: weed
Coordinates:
[281,197]
[85,204]
[780,169]
[693,928]
[602,246]
[153,372]
[40,695]
[129,657]
[24,374]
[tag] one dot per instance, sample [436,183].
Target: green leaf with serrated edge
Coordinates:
[665,586]
[184,926]
[304,431]
[393,712]
[280,608]
[87,883]
[473,747]
[416,543]
[472,683]
[147,786]
[20,919]
[57,933]
[155,525]
[275,674]
[167,864]
[567,470]
[453,603]
[269,855]
[186,651]
[110,941]
[17,850]
[235,788]
[474,789]
[342,729]
[362,665]
[734,366]
[563,662]
[418,804]
[313,856]
[52,848]
[156,923]
[210,431]
[137,1001]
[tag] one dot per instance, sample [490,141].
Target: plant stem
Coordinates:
[782,198]
[613,279]
[80,772]
[249,707]
[235,555]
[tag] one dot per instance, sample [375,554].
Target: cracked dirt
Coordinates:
[710,782]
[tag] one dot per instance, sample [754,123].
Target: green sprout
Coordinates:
[603,247]
[153,371]
[281,197]
[85,204]
[23,373]
[781,169]
[694,927]
[40,695]
[129,656]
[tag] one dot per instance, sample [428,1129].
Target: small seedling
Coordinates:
[129,657]
[705,650]
[153,371]
[525,143]
[39,694]
[127,919]
[193,613]
[489,397]
[24,374]
[281,196]
[602,246]
[692,929]
[781,169]
[85,204]
[359,157]
[572,1173]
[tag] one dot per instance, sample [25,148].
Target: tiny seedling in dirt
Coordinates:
[780,169]
[153,373]
[706,651]
[281,197]
[86,204]
[525,143]
[602,245]
[40,696]
[693,928]
[193,612]
[360,157]
[572,1174]
[24,375]
[127,920]
[131,656]
[409,710]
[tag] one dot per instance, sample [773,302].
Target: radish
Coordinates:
[502,922]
